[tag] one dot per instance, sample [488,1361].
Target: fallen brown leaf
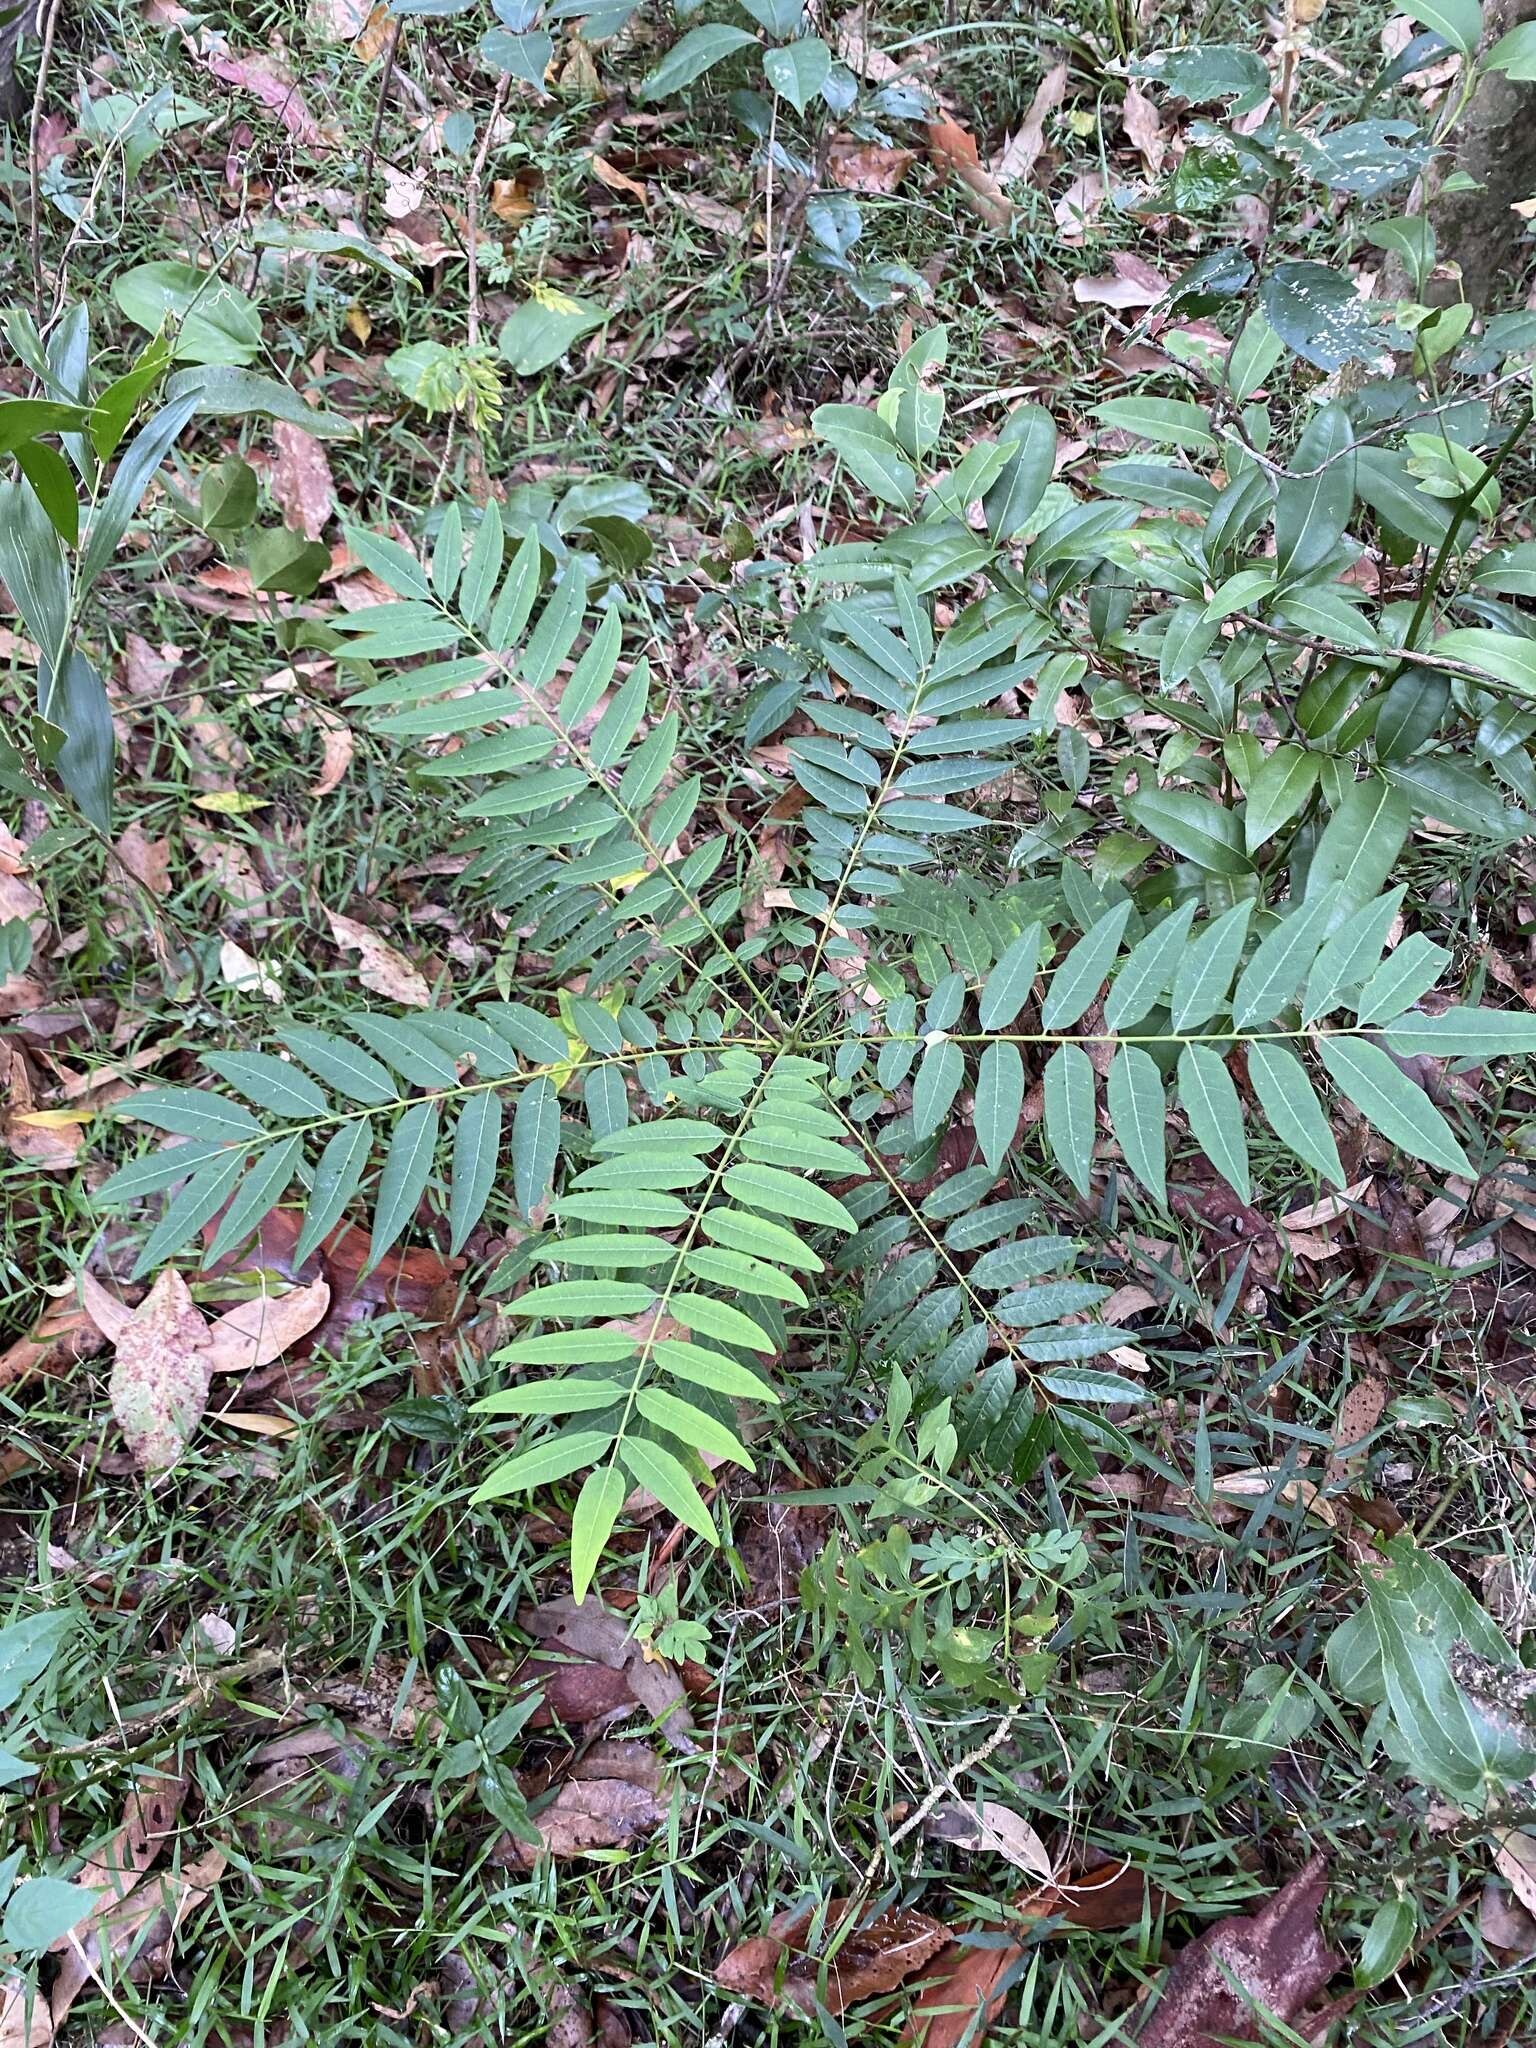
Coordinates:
[620,1801]
[994,1828]
[873,1959]
[338,744]
[1131,283]
[255,1332]
[616,180]
[147,860]
[958,1998]
[160,1374]
[1274,1960]
[271,82]
[1140,120]
[1023,152]
[867,166]
[953,149]
[512,199]
[302,486]
[382,969]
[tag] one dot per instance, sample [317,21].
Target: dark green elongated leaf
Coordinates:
[553,1457]
[1011,1265]
[1086,1383]
[77,708]
[706,1368]
[260,1191]
[1007,987]
[1210,1101]
[1391,1103]
[1360,845]
[1070,1114]
[1082,973]
[1070,1341]
[1312,512]
[1409,971]
[866,444]
[1029,435]
[1147,970]
[1460,794]
[535,1143]
[338,1172]
[667,1478]
[936,1085]
[691,56]
[1204,974]
[53,485]
[1032,1307]
[999,1099]
[130,480]
[1279,790]
[203,1196]
[347,1068]
[410,1048]
[603,1493]
[1134,1098]
[269,1082]
[707,1317]
[403,1180]
[476,1141]
[1195,828]
[690,1425]
[1296,1116]
[1317,312]
[1350,956]
[1463,1033]
[1280,964]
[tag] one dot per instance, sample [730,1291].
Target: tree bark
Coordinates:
[1496,145]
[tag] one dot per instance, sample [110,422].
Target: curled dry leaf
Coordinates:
[867,166]
[872,1959]
[1023,152]
[994,1828]
[255,1332]
[1131,284]
[1139,118]
[301,480]
[273,85]
[338,744]
[1274,1961]
[383,969]
[160,1375]
[953,149]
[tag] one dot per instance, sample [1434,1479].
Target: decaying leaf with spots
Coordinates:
[382,968]
[160,1374]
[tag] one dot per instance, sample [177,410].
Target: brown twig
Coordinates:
[366,195]
[34,163]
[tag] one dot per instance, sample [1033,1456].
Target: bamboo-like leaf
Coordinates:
[1134,1097]
[1350,956]
[535,1143]
[553,1457]
[1147,970]
[1391,1103]
[1210,1101]
[1008,985]
[258,1193]
[476,1142]
[1070,1114]
[999,1099]
[692,1426]
[1409,971]
[1081,974]
[667,1478]
[403,1180]
[1295,1114]
[597,1508]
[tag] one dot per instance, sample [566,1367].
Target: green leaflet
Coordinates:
[597,1508]
[1070,1113]
[936,1085]
[1280,964]
[1007,987]
[338,1174]
[551,1458]
[258,1193]
[1081,974]
[1204,973]
[1287,1098]
[692,1426]
[1147,969]
[1391,1103]
[476,1143]
[667,1478]
[999,1099]
[403,1180]
[1210,1101]
[535,1143]
[1134,1098]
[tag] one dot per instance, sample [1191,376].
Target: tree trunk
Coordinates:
[1496,145]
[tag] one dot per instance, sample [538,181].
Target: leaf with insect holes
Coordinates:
[161,1374]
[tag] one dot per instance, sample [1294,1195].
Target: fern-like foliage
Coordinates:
[745,1126]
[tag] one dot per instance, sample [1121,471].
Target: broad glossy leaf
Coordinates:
[1312,512]
[1282,786]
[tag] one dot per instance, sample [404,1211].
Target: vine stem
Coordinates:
[1435,575]
[34,157]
